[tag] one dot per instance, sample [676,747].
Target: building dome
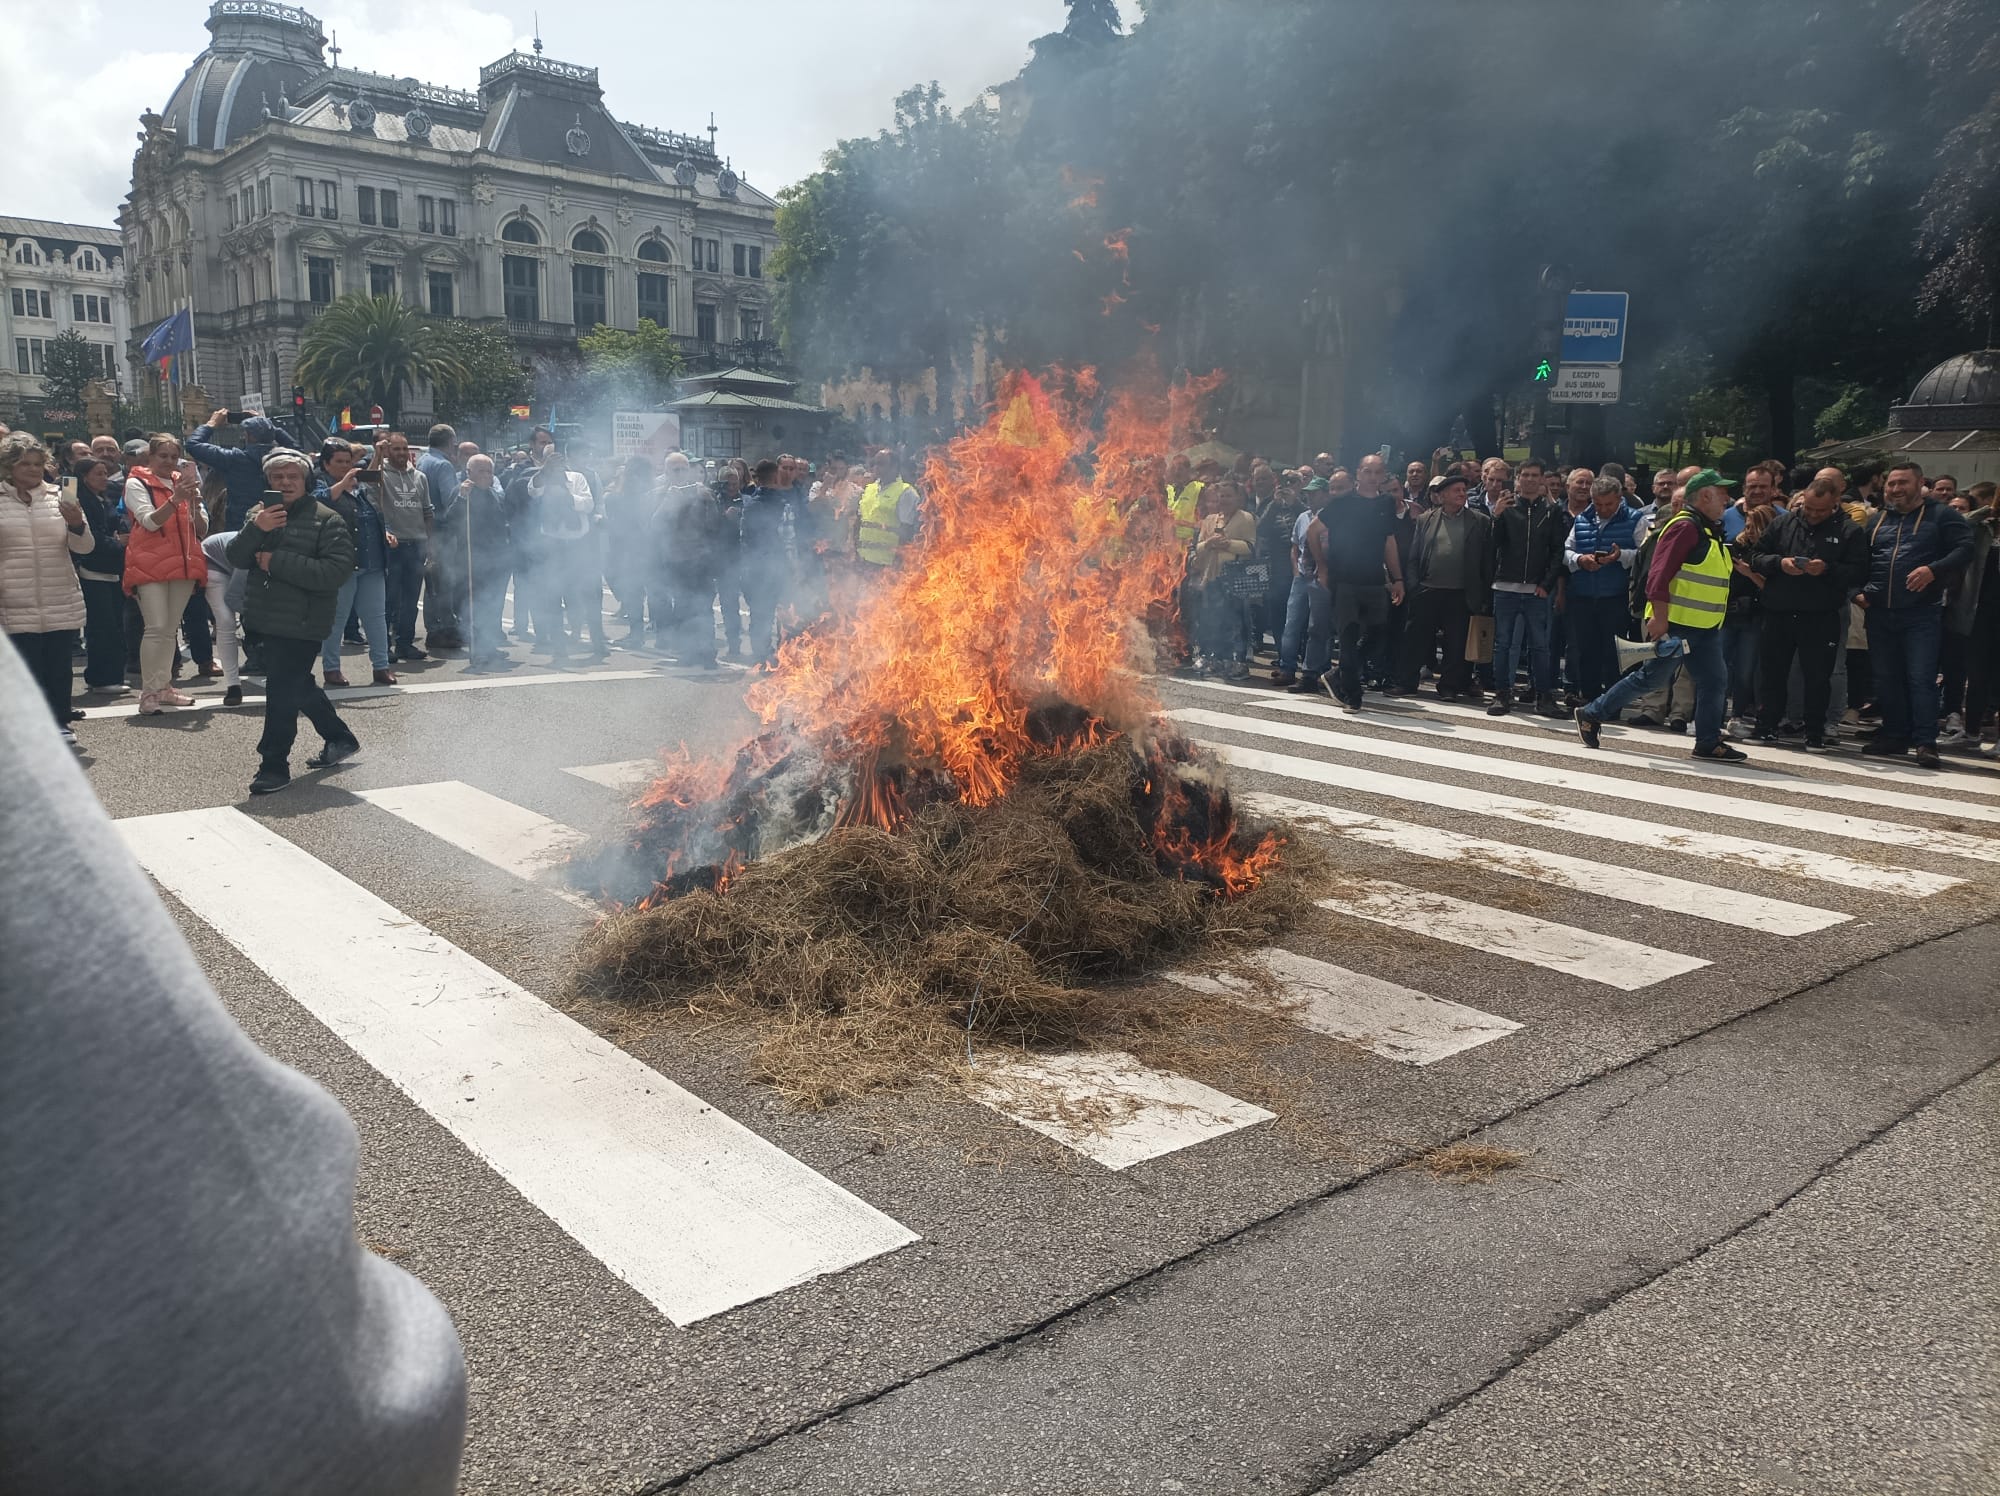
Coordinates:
[262,52]
[1960,394]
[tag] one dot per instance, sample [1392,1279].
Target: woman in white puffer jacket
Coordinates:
[41,605]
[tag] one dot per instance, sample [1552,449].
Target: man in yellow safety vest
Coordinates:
[1687,598]
[887,512]
[1183,500]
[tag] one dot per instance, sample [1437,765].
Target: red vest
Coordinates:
[171,553]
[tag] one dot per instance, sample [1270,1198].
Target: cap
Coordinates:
[1318,485]
[1706,478]
[1445,480]
[260,429]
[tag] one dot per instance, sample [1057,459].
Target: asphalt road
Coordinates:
[1236,1302]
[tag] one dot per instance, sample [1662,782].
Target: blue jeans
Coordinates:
[1903,652]
[1521,626]
[1308,625]
[406,580]
[1741,644]
[366,592]
[1711,684]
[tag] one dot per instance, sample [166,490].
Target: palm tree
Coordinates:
[369,349]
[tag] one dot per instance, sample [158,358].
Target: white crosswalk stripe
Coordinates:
[1937,802]
[496,831]
[1109,1107]
[1626,831]
[624,774]
[1602,879]
[1799,818]
[1969,776]
[1393,1021]
[695,1211]
[1606,959]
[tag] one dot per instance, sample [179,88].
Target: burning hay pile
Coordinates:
[963,812]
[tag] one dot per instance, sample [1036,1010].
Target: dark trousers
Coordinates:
[48,658]
[1434,611]
[198,628]
[289,689]
[1812,637]
[1361,624]
[486,589]
[763,590]
[406,581]
[444,589]
[729,588]
[1903,643]
[566,577]
[689,623]
[1594,623]
[1953,663]
[1982,687]
[104,633]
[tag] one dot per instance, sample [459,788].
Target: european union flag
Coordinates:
[173,336]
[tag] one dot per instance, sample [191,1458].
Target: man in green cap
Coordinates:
[1687,598]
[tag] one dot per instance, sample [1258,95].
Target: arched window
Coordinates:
[27,254]
[257,373]
[588,242]
[654,252]
[520,231]
[656,291]
[85,260]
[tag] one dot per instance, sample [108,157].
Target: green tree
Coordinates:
[489,375]
[1958,44]
[370,349]
[68,364]
[635,366]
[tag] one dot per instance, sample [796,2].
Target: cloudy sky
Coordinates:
[785,78]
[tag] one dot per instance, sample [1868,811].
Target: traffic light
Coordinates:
[298,400]
[1544,371]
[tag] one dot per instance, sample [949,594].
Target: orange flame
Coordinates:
[1112,302]
[1084,187]
[1120,245]
[1036,572]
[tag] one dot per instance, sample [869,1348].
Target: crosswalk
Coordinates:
[702,1215]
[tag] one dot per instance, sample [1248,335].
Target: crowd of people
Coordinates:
[144,559]
[1817,601]
[1814,602]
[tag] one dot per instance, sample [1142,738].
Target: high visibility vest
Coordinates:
[1698,594]
[1185,505]
[881,536]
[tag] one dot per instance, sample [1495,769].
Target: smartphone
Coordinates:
[237,417]
[368,475]
[273,497]
[69,488]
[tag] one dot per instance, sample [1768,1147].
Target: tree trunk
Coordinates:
[1784,417]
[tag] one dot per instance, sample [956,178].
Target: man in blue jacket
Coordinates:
[1602,545]
[1916,546]
[242,468]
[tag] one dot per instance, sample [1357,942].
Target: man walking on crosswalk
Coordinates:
[1687,597]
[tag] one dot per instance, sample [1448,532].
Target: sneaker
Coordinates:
[1927,756]
[1500,708]
[1742,726]
[233,696]
[1722,753]
[149,704]
[1767,737]
[270,781]
[1816,745]
[1545,704]
[173,697]
[1881,747]
[1677,724]
[1587,728]
[411,652]
[1955,722]
[1953,737]
[336,752]
[1990,750]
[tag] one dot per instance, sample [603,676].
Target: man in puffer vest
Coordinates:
[1687,598]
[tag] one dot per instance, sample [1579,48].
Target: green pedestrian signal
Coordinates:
[1543,373]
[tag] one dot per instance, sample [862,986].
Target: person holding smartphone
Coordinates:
[163,561]
[1603,541]
[41,605]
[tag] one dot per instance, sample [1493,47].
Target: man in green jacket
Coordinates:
[297,552]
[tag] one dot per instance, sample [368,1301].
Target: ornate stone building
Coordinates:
[57,278]
[275,181]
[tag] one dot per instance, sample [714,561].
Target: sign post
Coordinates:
[645,433]
[1586,384]
[1594,327]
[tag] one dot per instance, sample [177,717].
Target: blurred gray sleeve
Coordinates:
[183,1304]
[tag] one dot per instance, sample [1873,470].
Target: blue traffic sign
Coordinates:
[1594,327]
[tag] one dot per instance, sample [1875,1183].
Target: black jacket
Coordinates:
[1837,540]
[1527,543]
[1934,535]
[107,557]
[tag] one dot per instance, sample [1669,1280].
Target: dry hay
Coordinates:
[869,957]
[1470,1163]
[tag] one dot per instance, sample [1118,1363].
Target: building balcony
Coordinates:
[540,332]
[259,314]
